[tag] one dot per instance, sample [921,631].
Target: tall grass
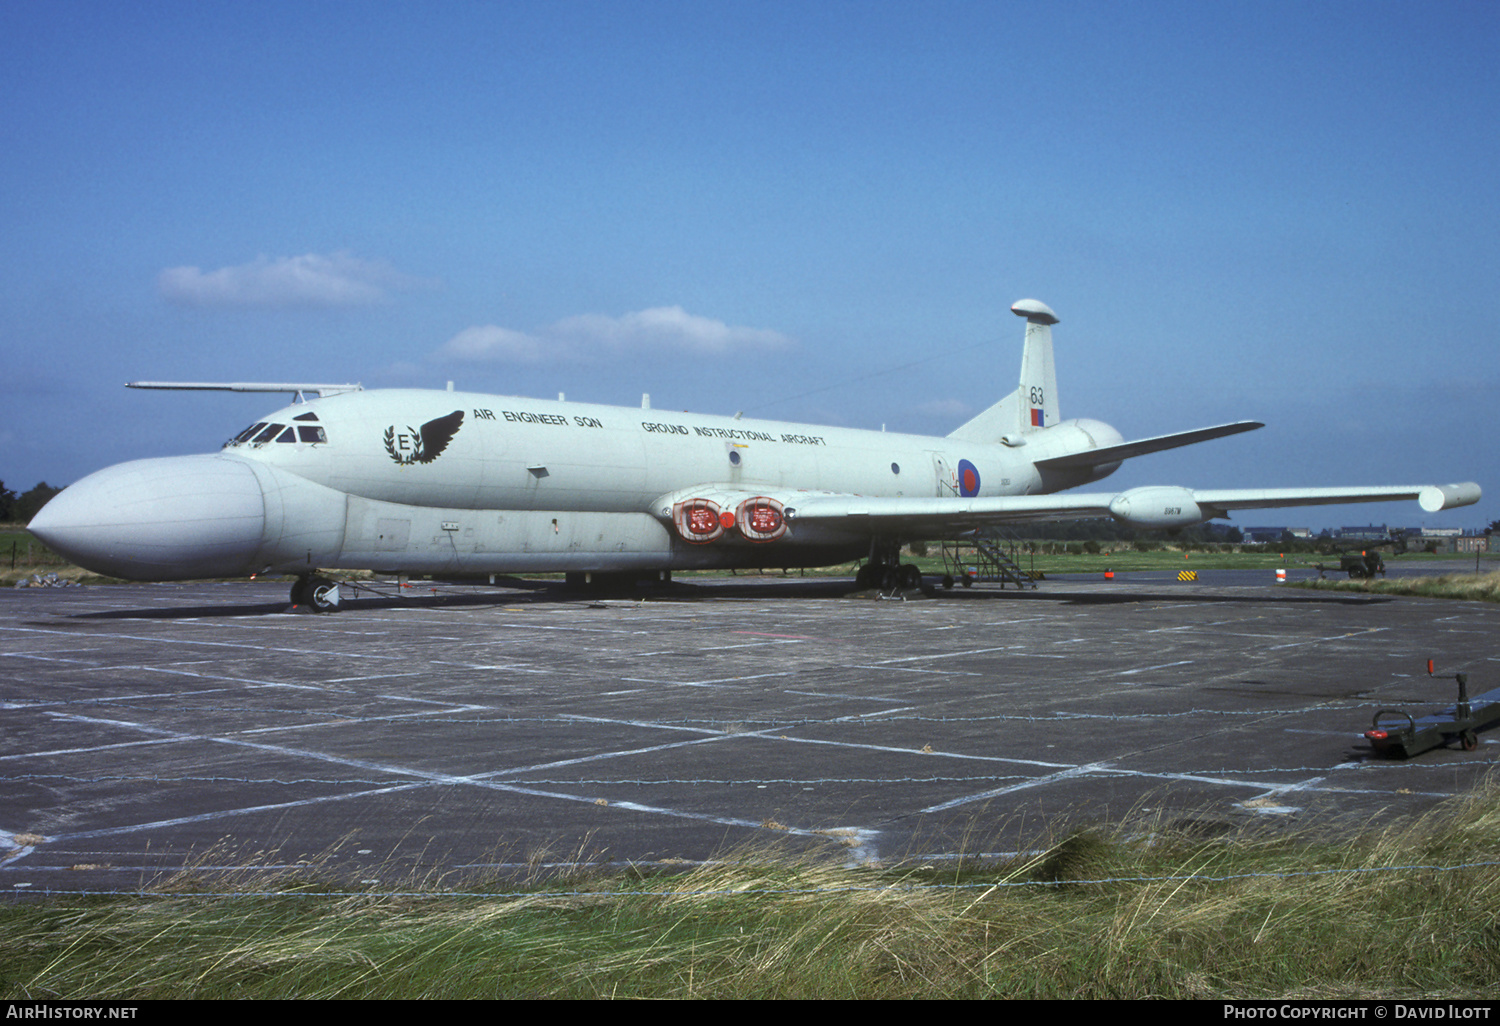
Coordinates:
[1483,587]
[1141,910]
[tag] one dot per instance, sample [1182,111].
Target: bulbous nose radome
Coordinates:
[160,520]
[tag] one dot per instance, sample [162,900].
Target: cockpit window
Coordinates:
[261,432]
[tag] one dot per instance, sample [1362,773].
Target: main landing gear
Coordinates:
[886,572]
[316,593]
[886,577]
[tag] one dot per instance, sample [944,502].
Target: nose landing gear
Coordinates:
[315,593]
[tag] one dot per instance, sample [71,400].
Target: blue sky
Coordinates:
[815,212]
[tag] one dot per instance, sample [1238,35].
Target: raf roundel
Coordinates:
[968,479]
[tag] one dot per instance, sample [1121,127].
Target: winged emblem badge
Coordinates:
[424,445]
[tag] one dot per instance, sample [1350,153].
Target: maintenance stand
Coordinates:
[1394,732]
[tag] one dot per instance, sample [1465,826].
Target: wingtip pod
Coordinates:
[1157,506]
[1438,497]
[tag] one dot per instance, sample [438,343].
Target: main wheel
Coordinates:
[1470,740]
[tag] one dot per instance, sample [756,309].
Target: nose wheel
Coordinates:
[317,593]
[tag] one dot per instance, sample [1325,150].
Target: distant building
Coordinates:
[1271,535]
[1370,532]
[1262,534]
[1446,539]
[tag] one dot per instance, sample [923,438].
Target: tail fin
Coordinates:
[1032,406]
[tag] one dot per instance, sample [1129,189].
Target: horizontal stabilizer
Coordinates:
[1125,450]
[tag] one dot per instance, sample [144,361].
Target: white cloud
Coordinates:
[311,280]
[490,342]
[669,328]
[666,327]
[945,408]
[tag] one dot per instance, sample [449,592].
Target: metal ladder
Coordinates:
[988,558]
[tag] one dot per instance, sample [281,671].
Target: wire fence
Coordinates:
[891,887]
[24,552]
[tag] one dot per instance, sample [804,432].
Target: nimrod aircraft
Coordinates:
[431,482]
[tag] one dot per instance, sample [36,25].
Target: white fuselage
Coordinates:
[519,485]
[610,459]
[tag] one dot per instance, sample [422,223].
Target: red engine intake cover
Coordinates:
[761,519]
[698,520]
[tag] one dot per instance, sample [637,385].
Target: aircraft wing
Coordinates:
[1148,507]
[1432,498]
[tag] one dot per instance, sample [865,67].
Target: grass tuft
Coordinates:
[1085,855]
[1481,587]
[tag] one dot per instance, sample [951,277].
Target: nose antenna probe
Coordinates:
[247,386]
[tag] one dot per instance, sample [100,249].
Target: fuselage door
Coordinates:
[947,480]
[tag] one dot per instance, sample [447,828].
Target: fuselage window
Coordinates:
[311,433]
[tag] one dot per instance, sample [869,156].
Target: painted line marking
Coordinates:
[1067,774]
[1148,669]
[929,656]
[161,640]
[1333,637]
[913,669]
[424,777]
